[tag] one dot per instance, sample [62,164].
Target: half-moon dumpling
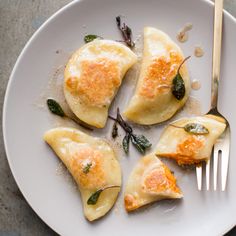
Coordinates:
[93,165]
[150,181]
[92,77]
[190,140]
[153,101]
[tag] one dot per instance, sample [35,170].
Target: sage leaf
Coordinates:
[139,141]
[178,87]
[196,128]
[87,168]
[118,21]
[114,130]
[143,141]
[90,37]
[94,197]
[126,32]
[138,146]
[125,143]
[55,107]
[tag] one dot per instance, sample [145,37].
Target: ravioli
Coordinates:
[150,181]
[93,76]
[153,101]
[190,148]
[93,165]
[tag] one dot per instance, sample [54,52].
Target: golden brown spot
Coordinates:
[160,75]
[159,180]
[98,81]
[130,202]
[95,177]
[72,83]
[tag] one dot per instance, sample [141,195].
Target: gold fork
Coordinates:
[222,145]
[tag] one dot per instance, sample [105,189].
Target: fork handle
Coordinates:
[218,18]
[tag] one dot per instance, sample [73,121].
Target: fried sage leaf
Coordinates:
[87,168]
[178,87]
[125,143]
[90,37]
[143,141]
[114,133]
[95,196]
[126,32]
[139,141]
[196,128]
[138,146]
[55,107]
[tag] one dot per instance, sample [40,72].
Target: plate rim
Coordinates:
[6,96]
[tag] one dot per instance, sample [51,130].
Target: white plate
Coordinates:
[34,165]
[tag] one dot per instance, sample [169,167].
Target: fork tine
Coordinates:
[225,159]
[215,166]
[208,163]
[224,169]
[199,177]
